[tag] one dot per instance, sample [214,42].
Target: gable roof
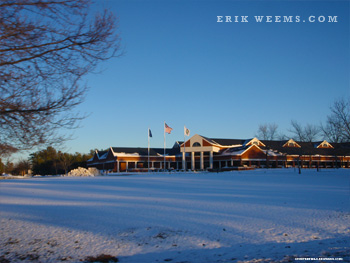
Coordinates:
[253,141]
[291,141]
[322,144]
[102,154]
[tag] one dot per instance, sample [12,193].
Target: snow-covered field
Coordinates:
[250,216]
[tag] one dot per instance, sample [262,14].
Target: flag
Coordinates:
[149,133]
[167,128]
[186,131]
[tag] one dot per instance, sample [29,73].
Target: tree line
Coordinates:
[47,162]
[336,129]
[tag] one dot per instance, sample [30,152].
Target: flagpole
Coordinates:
[184,148]
[164,147]
[148,151]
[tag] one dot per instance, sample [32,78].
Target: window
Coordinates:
[325,145]
[291,144]
[196,144]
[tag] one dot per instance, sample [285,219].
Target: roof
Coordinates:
[229,142]
[307,148]
[226,142]
[144,151]
[102,154]
[342,149]
[235,150]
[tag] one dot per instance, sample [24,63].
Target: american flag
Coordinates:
[167,128]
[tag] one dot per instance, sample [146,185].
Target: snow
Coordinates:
[248,216]
[80,171]
[123,154]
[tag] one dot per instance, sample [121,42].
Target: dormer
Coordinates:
[291,143]
[324,145]
[254,141]
[95,157]
[177,144]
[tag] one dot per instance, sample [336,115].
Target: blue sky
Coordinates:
[219,79]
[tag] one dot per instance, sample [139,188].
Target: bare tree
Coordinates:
[262,132]
[272,131]
[332,131]
[282,137]
[267,131]
[46,47]
[6,149]
[309,133]
[337,128]
[297,130]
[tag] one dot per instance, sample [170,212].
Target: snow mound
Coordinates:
[84,172]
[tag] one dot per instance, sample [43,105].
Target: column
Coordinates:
[118,166]
[201,162]
[211,160]
[231,162]
[192,161]
[127,166]
[183,161]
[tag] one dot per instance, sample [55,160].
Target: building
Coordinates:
[202,153]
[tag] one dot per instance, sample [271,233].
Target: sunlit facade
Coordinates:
[214,154]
